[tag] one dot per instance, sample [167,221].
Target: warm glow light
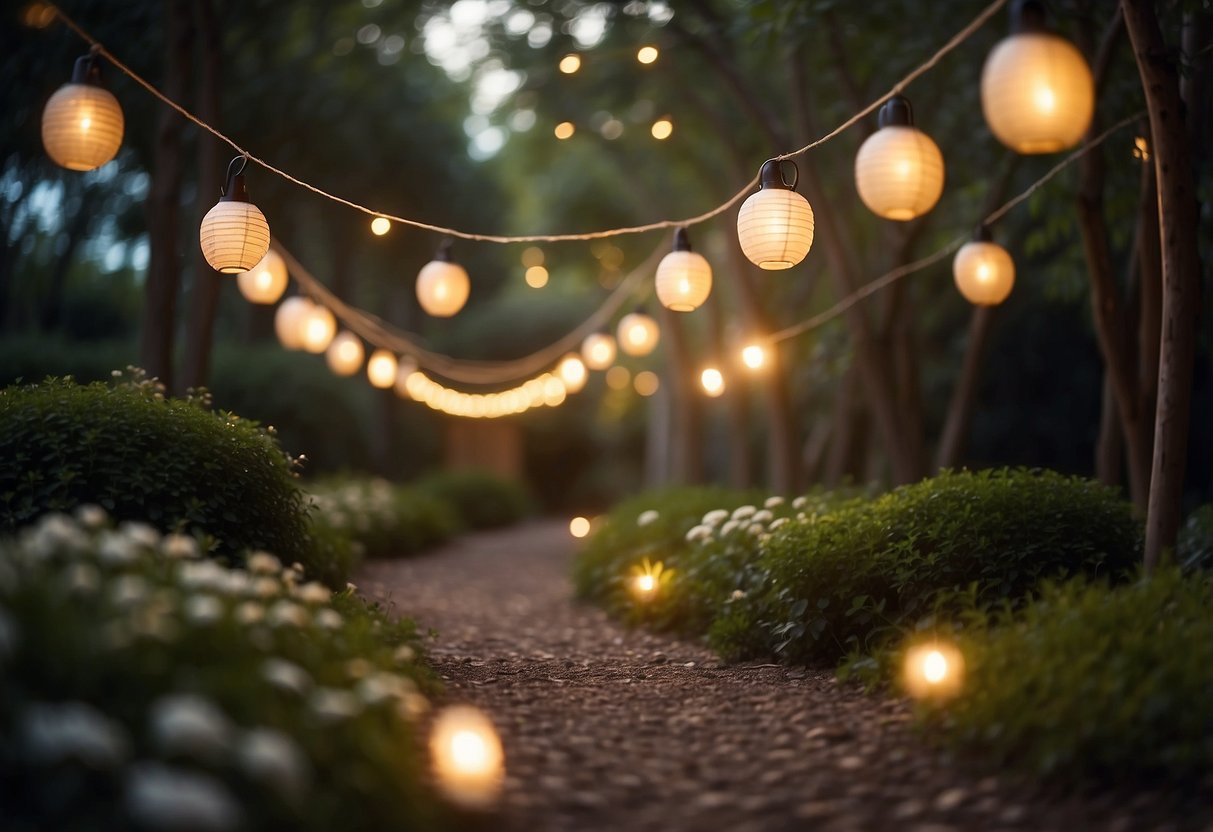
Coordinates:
[579,527]
[684,277]
[617,378]
[381,369]
[467,756]
[265,282]
[934,667]
[1141,148]
[82,123]
[645,583]
[344,355]
[662,129]
[565,130]
[775,225]
[532,256]
[317,329]
[647,54]
[753,356]
[380,226]
[442,287]
[646,580]
[598,350]
[234,234]
[899,170]
[570,64]
[573,373]
[647,383]
[984,272]
[288,321]
[638,334]
[933,670]
[536,277]
[712,381]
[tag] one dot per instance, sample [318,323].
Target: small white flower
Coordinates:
[286,676]
[773,502]
[141,534]
[800,502]
[756,529]
[73,731]
[697,533]
[729,527]
[313,593]
[201,575]
[266,587]
[190,725]
[329,619]
[55,533]
[237,582]
[715,517]
[349,587]
[284,613]
[179,547]
[82,579]
[115,549]
[272,758]
[379,687]
[250,612]
[647,517]
[742,512]
[8,635]
[779,521]
[161,797]
[91,516]
[263,563]
[127,590]
[334,705]
[202,610]
[763,516]
[405,654]
[737,595]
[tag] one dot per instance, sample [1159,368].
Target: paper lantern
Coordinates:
[984,271]
[1037,93]
[344,355]
[638,333]
[407,377]
[598,350]
[264,282]
[775,225]
[572,372]
[899,169]
[316,328]
[234,234]
[82,123]
[442,286]
[381,369]
[684,278]
[288,320]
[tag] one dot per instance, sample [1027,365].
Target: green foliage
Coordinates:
[480,500]
[143,687]
[142,456]
[1091,683]
[382,519]
[1195,545]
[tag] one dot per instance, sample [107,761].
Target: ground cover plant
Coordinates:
[380,518]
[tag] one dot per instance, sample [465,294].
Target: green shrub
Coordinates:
[1195,546]
[143,687]
[481,500]
[382,519]
[851,578]
[1092,683]
[142,456]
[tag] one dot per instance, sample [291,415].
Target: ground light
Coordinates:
[234,234]
[265,282]
[899,170]
[933,670]
[579,527]
[646,579]
[82,123]
[442,286]
[684,277]
[468,761]
[983,270]
[775,225]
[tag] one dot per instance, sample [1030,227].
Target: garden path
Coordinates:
[607,728]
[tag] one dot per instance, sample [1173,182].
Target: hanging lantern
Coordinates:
[317,328]
[442,286]
[406,369]
[712,381]
[381,369]
[638,333]
[234,234]
[1037,93]
[572,372]
[598,350]
[775,225]
[899,169]
[82,123]
[684,278]
[264,282]
[984,270]
[344,355]
[288,321]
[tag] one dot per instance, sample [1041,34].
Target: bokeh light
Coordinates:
[647,54]
[662,129]
[565,130]
[380,226]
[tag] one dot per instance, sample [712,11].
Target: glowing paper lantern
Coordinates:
[467,756]
[712,381]
[684,278]
[1037,93]
[598,350]
[344,355]
[82,123]
[381,369]
[984,271]
[234,234]
[638,333]
[317,328]
[775,225]
[899,170]
[288,321]
[264,282]
[572,372]
[442,286]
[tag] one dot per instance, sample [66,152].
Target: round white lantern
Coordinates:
[638,333]
[775,225]
[82,123]
[598,350]
[381,369]
[572,372]
[288,321]
[265,282]
[1037,93]
[984,271]
[899,169]
[344,355]
[684,278]
[234,234]
[442,286]
[317,328]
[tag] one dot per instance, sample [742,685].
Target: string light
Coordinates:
[82,123]
[899,170]
[469,763]
[646,383]
[598,350]
[579,527]
[565,130]
[547,390]
[570,63]
[647,54]
[234,234]
[288,320]
[536,277]
[381,369]
[344,355]
[405,367]
[983,270]
[317,327]
[618,377]
[265,282]
[442,286]
[380,226]
[775,225]
[572,372]
[712,381]
[684,277]
[638,333]
[662,129]
[754,356]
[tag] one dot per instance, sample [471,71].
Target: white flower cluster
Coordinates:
[721,524]
[357,506]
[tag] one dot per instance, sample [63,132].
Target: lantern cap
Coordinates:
[443,254]
[235,190]
[681,241]
[771,175]
[87,70]
[1027,17]
[896,112]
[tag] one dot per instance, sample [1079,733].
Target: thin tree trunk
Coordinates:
[1177,219]
[964,394]
[1110,444]
[686,451]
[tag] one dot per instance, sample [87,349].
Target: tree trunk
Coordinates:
[964,394]
[736,400]
[163,207]
[1177,220]
[686,451]
[1110,444]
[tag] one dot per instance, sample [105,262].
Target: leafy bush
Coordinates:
[1093,683]
[481,500]
[382,519]
[1195,546]
[143,456]
[143,687]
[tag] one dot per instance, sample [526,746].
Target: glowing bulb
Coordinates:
[344,355]
[381,369]
[380,226]
[712,381]
[638,334]
[570,64]
[754,356]
[317,328]
[646,383]
[933,670]
[598,350]
[532,256]
[934,667]
[467,756]
[579,527]
[266,281]
[573,373]
[565,130]
[646,583]
[618,377]
[662,129]
[536,277]
[647,54]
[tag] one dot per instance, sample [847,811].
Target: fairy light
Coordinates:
[570,63]
[647,54]
[646,579]
[712,381]
[646,383]
[579,527]
[536,277]
[754,356]
[662,129]
[380,226]
[618,377]
[532,256]
[565,130]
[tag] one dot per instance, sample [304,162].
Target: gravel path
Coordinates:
[612,729]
